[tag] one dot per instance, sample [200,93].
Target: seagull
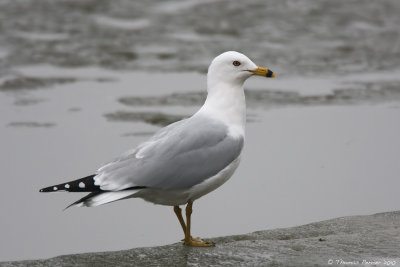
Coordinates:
[186,159]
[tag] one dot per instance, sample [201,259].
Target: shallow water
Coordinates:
[83,81]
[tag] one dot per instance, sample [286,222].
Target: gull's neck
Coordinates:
[226,102]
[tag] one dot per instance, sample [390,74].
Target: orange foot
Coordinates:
[197,242]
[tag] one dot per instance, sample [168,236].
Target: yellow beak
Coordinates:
[263,72]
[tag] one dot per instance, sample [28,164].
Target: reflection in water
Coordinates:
[31,124]
[174,99]
[155,118]
[28,101]
[146,134]
[29,83]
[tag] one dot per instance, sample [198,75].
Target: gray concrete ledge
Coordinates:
[348,241]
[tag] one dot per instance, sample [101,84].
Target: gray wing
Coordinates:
[179,156]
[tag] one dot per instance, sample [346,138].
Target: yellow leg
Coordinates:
[178,212]
[189,240]
[189,210]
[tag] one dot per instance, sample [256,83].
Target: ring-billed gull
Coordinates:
[185,160]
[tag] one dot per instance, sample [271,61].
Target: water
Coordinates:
[308,36]
[83,81]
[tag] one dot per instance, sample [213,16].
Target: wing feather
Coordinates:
[179,156]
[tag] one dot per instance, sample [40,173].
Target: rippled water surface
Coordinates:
[83,81]
[294,36]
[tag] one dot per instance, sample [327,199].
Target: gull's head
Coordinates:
[234,68]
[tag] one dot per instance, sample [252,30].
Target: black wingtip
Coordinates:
[67,207]
[85,184]
[49,189]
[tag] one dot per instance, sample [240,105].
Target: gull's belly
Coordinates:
[214,182]
[182,196]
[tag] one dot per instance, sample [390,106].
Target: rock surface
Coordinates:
[372,240]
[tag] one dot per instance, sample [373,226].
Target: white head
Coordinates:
[233,68]
[225,99]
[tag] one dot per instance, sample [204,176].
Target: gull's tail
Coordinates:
[96,197]
[99,198]
[85,184]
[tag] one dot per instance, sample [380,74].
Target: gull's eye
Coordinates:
[236,63]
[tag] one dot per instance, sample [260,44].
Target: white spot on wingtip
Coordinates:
[66,185]
[55,188]
[82,185]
